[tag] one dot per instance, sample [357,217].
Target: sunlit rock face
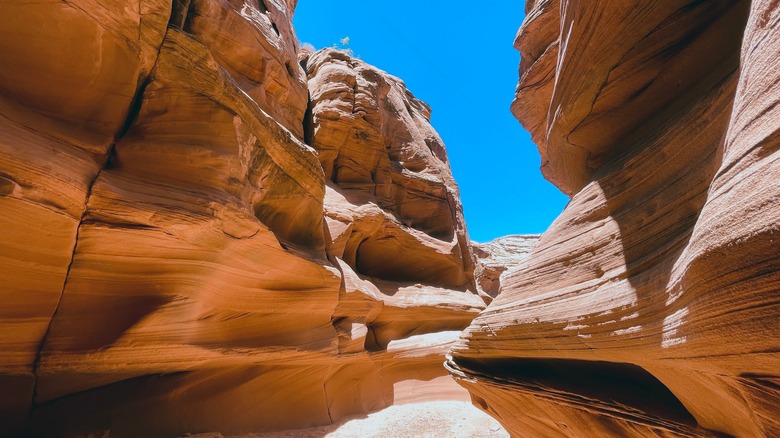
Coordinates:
[494,258]
[389,174]
[175,258]
[650,307]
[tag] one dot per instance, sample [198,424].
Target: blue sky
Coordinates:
[456,56]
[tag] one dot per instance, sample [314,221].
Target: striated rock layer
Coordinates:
[175,256]
[650,307]
[494,258]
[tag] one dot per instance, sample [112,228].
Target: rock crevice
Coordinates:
[132,112]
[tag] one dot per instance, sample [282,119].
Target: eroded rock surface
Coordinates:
[175,256]
[390,176]
[496,257]
[662,275]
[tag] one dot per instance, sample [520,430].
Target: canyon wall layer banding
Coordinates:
[205,229]
[650,307]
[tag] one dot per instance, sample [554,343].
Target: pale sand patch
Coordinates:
[435,419]
[441,388]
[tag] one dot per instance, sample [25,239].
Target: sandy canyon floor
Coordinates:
[434,419]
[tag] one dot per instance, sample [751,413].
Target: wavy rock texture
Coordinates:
[650,307]
[494,258]
[174,257]
[378,149]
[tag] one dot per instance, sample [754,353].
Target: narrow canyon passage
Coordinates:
[437,419]
[211,230]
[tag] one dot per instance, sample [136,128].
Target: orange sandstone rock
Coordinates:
[177,259]
[377,147]
[650,306]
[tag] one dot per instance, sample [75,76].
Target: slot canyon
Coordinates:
[209,227]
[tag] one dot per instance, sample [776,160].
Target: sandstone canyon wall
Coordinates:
[201,232]
[497,257]
[651,306]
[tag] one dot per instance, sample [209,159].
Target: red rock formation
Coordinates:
[175,259]
[650,307]
[378,149]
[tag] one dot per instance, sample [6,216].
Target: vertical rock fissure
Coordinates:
[325,394]
[308,123]
[308,137]
[132,113]
[39,352]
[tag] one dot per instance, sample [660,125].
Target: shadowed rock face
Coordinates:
[174,257]
[663,272]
